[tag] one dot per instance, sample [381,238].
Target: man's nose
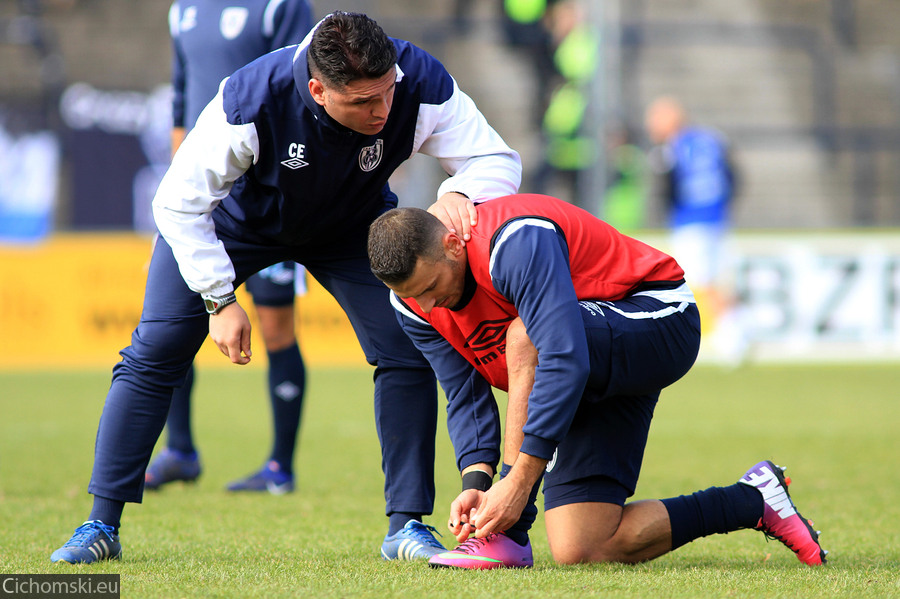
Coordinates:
[426,304]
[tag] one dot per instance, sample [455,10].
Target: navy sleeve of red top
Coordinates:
[473,420]
[530,267]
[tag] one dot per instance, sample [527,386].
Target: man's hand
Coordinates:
[500,507]
[230,330]
[457,212]
[462,510]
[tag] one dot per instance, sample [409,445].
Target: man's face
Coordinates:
[434,284]
[362,105]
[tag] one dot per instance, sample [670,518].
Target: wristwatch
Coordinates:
[215,304]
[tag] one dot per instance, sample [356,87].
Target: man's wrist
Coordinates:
[477,479]
[527,470]
[215,303]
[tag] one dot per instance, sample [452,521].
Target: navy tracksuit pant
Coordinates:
[174,325]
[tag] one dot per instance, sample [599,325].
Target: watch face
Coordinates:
[214,304]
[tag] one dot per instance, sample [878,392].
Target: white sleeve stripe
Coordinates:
[512,228]
[174,18]
[449,131]
[213,155]
[268,25]
[402,308]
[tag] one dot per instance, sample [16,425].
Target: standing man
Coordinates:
[699,187]
[583,327]
[210,40]
[291,161]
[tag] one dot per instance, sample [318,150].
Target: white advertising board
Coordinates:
[805,296]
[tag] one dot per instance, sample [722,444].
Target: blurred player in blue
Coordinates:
[211,39]
[583,327]
[291,161]
[699,187]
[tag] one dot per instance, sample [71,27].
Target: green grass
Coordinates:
[834,427]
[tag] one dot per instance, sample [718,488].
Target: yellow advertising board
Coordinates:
[74,300]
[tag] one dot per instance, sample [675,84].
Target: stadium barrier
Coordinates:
[73,301]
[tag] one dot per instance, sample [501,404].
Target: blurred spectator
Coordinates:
[699,186]
[624,203]
[525,28]
[568,147]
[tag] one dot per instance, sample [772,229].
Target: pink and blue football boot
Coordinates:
[780,519]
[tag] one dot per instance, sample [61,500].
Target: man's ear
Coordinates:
[453,245]
[317,91]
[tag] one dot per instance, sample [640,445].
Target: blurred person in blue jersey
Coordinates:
[583,327]
[699,186]
[291,161]
[211,39]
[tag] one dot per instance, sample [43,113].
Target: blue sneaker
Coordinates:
[93,541]
[270,479]
[169,466]
[413,541]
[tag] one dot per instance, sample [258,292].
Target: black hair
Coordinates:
[349,46]
[398,238]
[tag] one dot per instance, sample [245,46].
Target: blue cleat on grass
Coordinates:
[413,541]
[92,542]
[170,466]
[270,478]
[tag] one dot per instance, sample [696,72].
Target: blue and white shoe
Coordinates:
[170,466]
[92,542]
[413,541]
[270,478]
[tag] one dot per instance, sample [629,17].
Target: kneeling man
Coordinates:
[583,327]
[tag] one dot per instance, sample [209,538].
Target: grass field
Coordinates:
[834,427]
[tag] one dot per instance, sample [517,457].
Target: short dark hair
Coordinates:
[349,46]
[398,238]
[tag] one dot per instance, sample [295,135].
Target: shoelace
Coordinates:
[84,532]
[421,532]
[472,545]
[770,534]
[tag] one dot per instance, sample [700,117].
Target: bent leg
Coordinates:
[643,530]
[606,532]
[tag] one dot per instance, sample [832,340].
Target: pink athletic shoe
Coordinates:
[781,520]
[494,551]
